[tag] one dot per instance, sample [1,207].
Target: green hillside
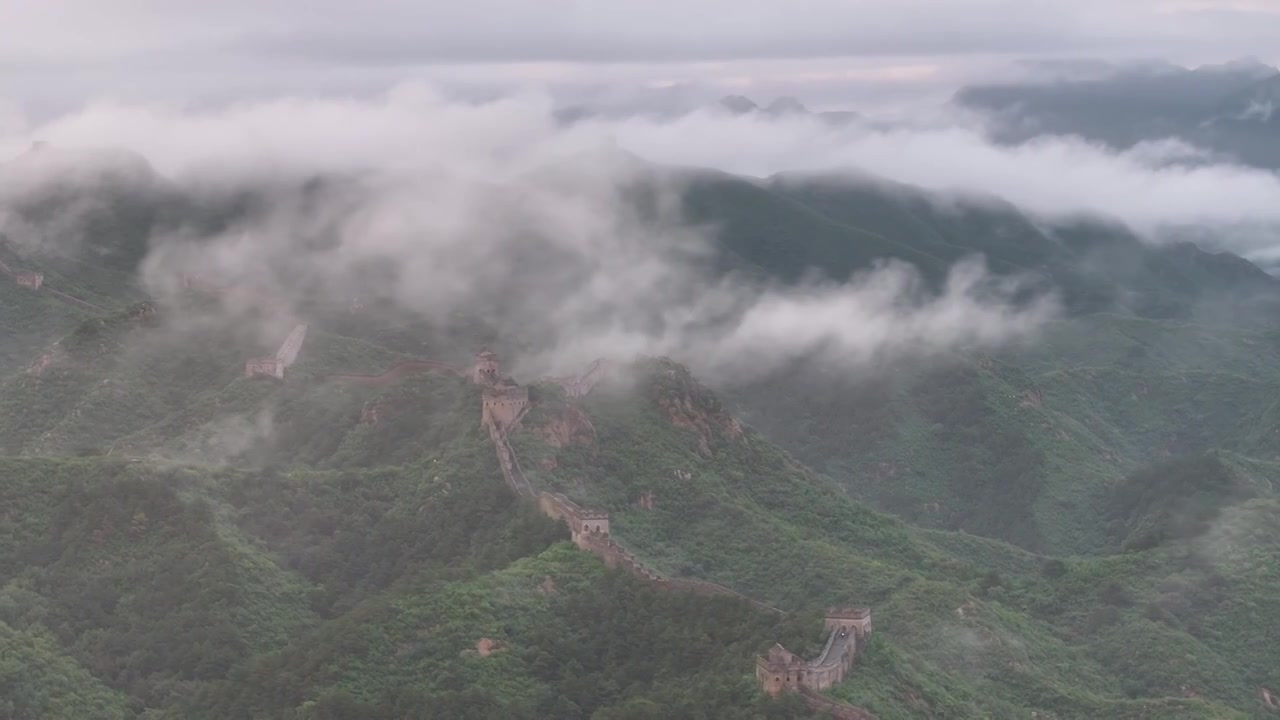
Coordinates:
[362,592]
[1076,526]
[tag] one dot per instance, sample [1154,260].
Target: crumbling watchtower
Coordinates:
[32,280]
[264,367]
[485,370]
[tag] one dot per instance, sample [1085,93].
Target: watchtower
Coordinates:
[779,670]
[485,370]
[581,521]
[31,280]
[592,521]
[503,405]
[849,618]
[264,367]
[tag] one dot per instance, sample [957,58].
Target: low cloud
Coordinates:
[1149,187]
[496,210]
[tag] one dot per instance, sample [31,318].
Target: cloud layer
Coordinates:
[58,53]
[494,210]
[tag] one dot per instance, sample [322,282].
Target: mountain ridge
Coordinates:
[364,528]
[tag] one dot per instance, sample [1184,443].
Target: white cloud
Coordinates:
[493,209]
[56,52]
[1052,175]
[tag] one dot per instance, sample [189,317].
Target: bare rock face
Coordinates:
[707,424]
[1031,398]
[646,501]
[376,411]
[46,359]
[568,426]
[488,646]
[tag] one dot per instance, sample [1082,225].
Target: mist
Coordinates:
[496,209]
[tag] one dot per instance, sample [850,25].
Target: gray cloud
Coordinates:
[62,51]
[494,210]
[1147,187]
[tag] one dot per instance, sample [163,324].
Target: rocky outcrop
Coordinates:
[488,646]
[567,426]
[706,424]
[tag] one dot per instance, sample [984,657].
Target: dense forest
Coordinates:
[1078,527]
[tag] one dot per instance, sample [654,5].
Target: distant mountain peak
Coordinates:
[1248,65]
[786,105]
[738,104]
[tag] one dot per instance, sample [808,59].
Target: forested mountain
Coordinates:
[1226,108]
[1078,526]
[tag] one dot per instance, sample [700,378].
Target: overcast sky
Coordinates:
[56,54]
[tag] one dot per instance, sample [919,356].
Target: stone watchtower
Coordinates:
[591,521]
[854,619]
[503,405]
[264,367]
[781,670]
[485,370]
[32,280]
[584,523]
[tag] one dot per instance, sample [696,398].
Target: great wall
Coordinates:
[504,404]
[34,281]
[275,365]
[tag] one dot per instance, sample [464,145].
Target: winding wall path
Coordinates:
[6,270]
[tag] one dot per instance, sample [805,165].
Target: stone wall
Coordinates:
[292,345]
[581,521]
[778,671]
[263,367]
[35,281]
[576,386]
[589,529]
[507,461]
